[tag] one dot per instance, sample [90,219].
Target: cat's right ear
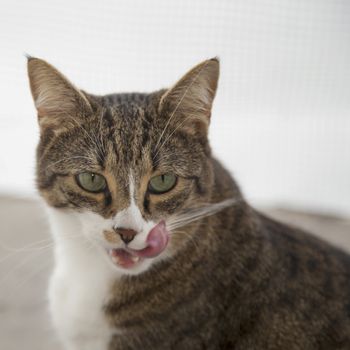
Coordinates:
[55,98]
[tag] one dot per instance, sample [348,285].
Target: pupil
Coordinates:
[92,177]
[163,178]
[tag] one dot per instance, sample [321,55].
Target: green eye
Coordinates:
[91,182]
[162,183]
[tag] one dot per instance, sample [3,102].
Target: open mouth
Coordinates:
[157,240]
[124,258]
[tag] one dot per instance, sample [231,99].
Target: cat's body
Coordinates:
[230,280]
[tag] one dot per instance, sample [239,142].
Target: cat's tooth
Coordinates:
[135,258]
[115,259]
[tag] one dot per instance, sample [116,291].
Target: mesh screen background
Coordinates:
[281,118]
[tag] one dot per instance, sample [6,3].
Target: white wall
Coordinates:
[281,119]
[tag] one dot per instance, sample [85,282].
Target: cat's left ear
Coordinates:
[56,99]
[188,103]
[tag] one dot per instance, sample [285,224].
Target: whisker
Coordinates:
[100,134]
[39,270]
[31,275]
[189,236]
[94,141]
[18,266]
[34,246]
[171,134]
[195,214]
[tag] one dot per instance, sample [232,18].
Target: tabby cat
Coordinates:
[155,247]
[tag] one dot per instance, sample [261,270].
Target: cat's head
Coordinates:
[132,167]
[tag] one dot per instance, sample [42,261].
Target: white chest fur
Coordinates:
[78,287]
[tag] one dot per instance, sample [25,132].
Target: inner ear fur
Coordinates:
[189,102]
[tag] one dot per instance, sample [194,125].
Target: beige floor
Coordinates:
[24,270]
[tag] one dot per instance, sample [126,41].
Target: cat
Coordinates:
[155,246]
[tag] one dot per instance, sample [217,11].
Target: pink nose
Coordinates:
[127,235]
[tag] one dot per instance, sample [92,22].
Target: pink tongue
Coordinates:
[157,241]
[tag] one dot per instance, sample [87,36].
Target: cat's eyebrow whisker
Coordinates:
[191,116]
[69,158]
[100,133]
[162,156]
[179,103]
[199,213]
[86,133]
